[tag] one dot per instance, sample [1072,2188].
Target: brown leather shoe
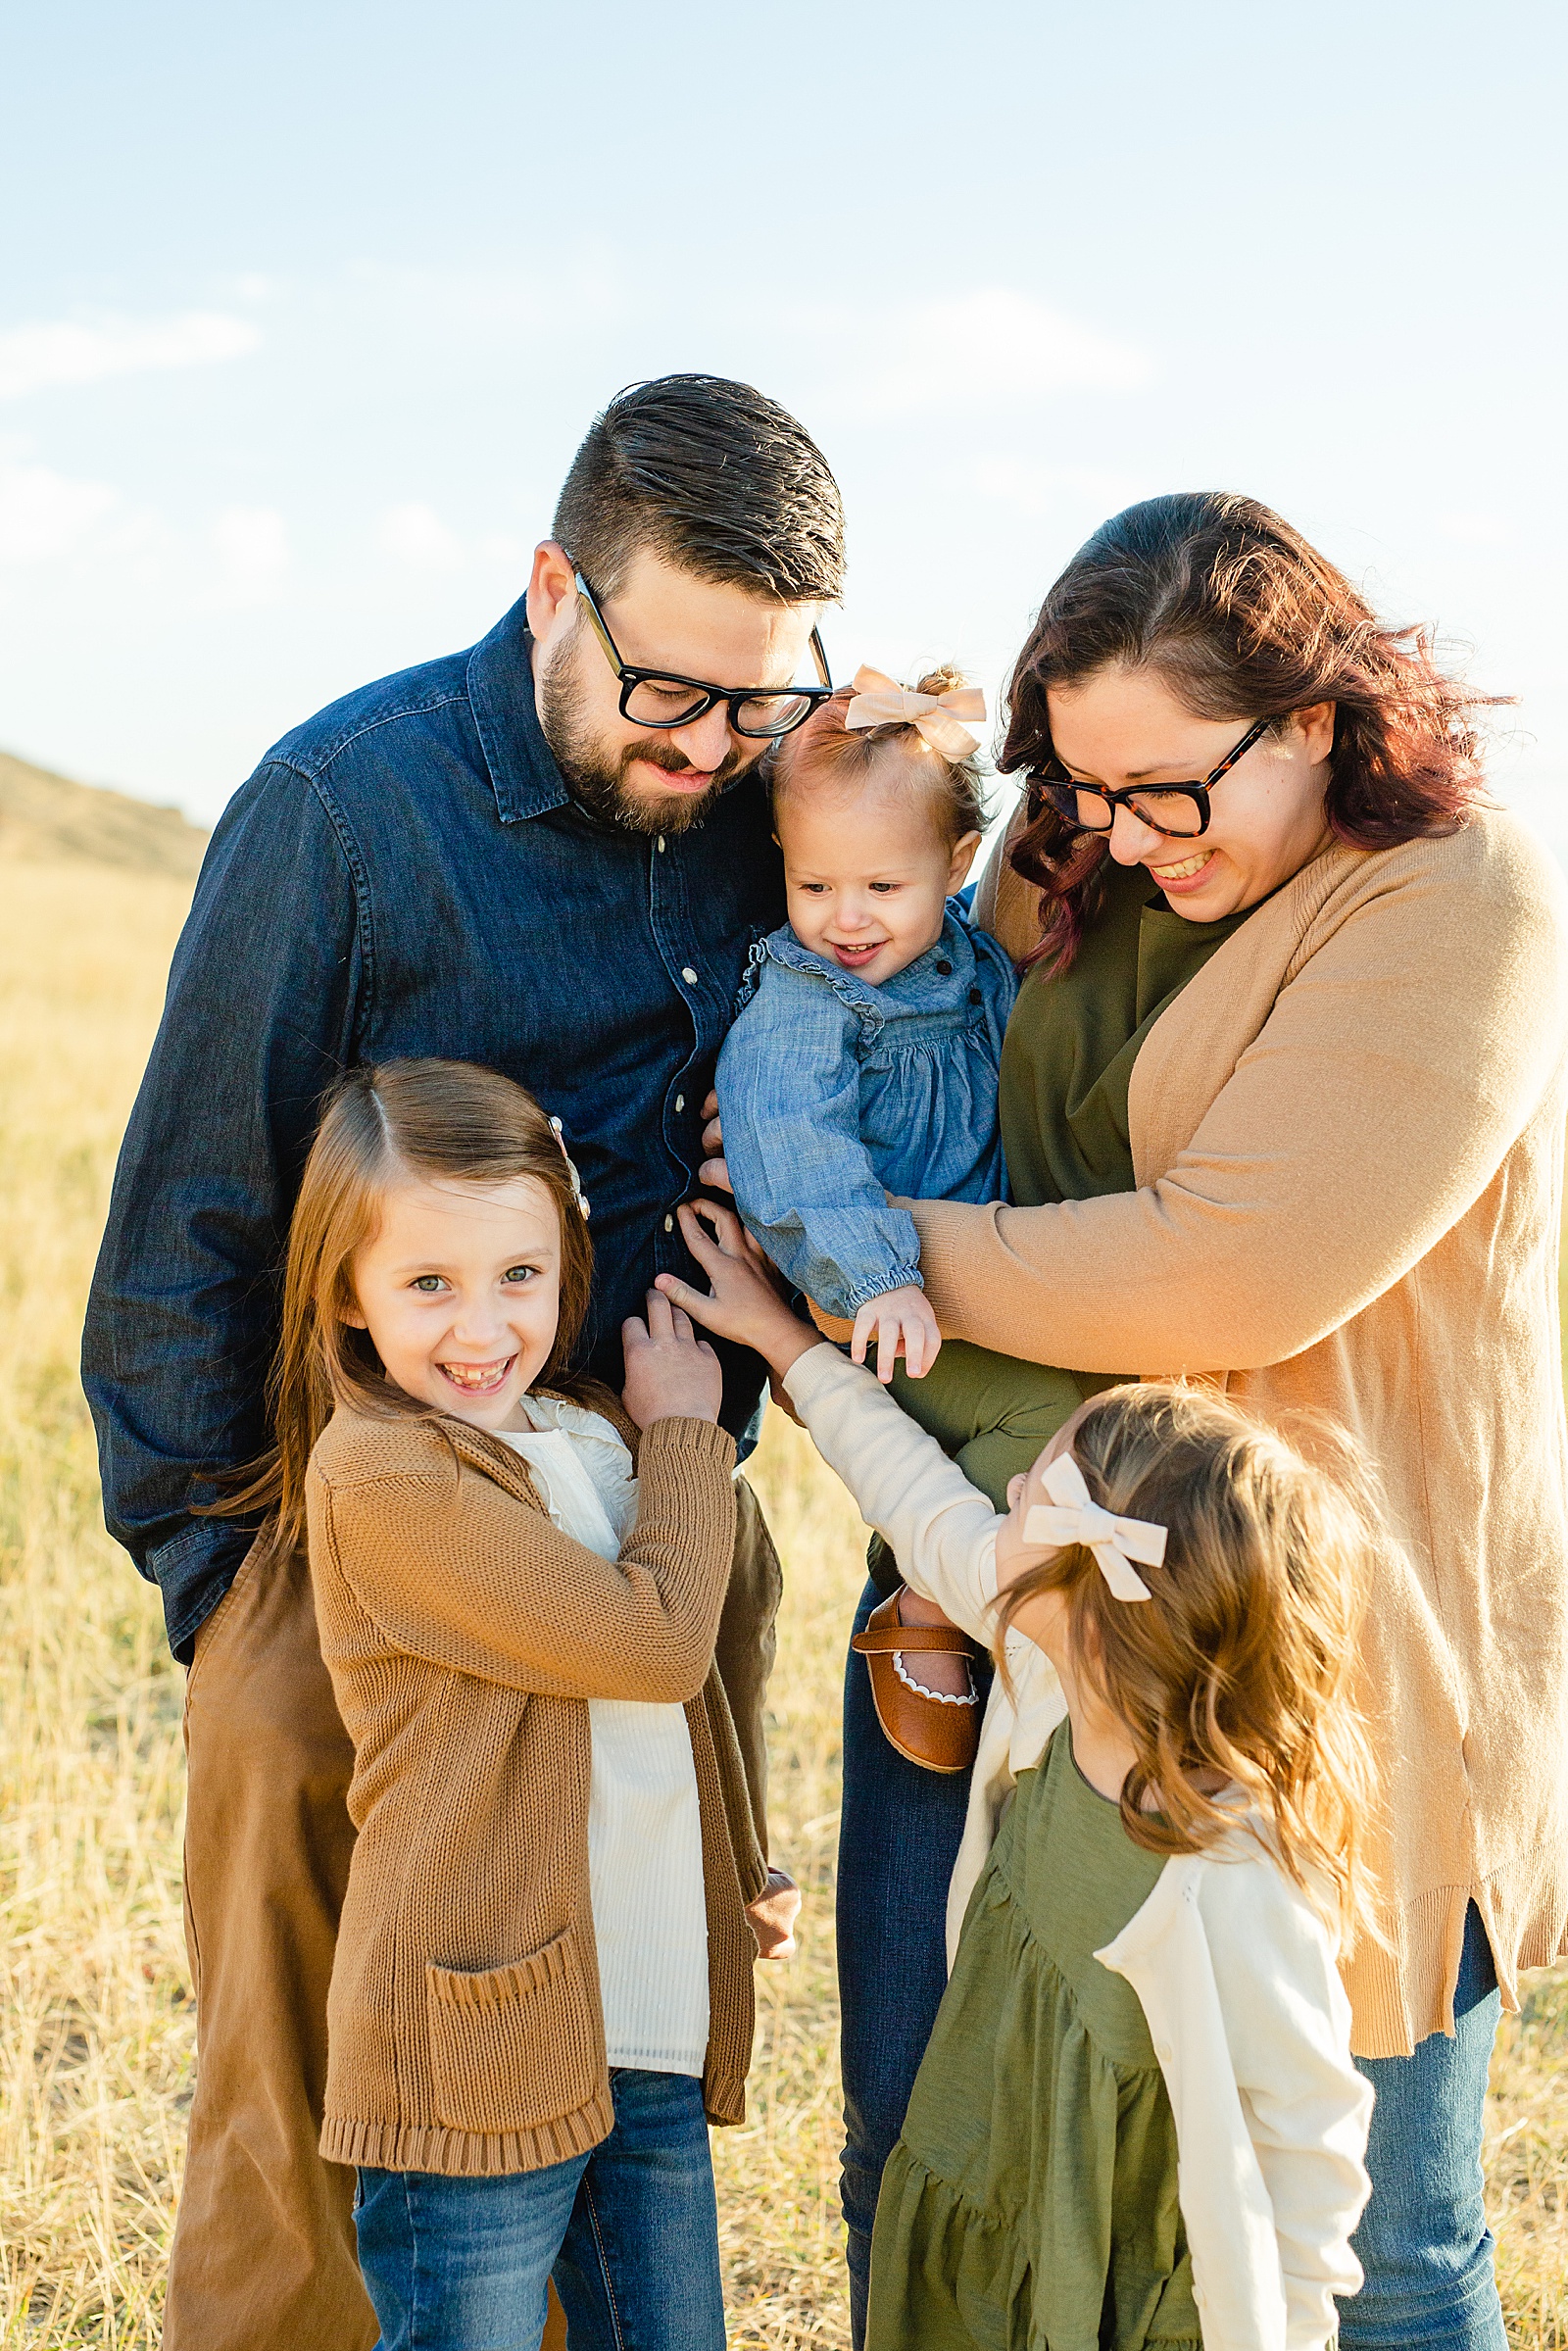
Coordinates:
[940,1734]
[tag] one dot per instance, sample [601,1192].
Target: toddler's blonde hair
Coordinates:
[825,750]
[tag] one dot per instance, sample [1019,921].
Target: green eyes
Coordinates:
[429,1285]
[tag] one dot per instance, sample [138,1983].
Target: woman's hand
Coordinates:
[903,1324]
[713,1169]
[743,1303]
[670,1373]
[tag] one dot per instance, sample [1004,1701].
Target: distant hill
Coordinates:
[48,817]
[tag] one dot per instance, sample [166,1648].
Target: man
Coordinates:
[549,854]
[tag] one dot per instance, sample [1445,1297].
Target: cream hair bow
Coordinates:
[879,702]
[1071,1517]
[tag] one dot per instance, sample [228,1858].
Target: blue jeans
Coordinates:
[899,1836]
[1423,2241]
[629,2231]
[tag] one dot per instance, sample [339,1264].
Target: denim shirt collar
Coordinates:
[523,772]
[919,988]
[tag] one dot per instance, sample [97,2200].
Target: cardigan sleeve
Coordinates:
[1307,2107]
[453,1568]
[1374,1106]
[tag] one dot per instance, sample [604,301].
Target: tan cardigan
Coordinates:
[465,1633]
[1347,1132]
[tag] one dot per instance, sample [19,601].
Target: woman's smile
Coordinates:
[1187,874]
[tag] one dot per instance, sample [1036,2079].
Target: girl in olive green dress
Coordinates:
[1138,2122]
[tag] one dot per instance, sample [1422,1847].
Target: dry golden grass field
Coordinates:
[96,2042]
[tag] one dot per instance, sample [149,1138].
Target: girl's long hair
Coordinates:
[433,1118]
[1243,620]
[1238,1672]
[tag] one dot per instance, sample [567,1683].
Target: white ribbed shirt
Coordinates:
[644,1836]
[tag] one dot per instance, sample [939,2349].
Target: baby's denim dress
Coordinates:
[834,1093]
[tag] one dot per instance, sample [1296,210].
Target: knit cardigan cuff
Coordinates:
[676,1439]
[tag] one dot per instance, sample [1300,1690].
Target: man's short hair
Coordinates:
[714,479]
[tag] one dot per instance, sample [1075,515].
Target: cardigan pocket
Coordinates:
[514,2045]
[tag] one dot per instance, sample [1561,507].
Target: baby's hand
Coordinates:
[903,1324]
[773,1916]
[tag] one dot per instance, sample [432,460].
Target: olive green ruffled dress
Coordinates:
[1031,2204]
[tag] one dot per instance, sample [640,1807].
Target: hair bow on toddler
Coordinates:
[879,702]
[577,1192]
[1071,1517]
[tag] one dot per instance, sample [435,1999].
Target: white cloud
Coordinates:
[993,348]
[1475,526]
[415,535]
[44,514]
[253,552]
[72,352]
[1036,490]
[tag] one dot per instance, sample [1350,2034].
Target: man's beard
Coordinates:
[596,777]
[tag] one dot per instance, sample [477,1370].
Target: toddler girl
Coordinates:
[543,1971]
[1138,2120]
[863,1061]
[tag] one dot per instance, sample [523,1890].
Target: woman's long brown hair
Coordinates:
[447,1120]
[1238,1672]
[1243,620]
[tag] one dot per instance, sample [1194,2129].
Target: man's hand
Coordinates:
[903,1324]
[713,1169]
[773,1916]
[670,1373]
[743,1303]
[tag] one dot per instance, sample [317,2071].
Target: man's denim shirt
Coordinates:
[403,874]
[834,1093]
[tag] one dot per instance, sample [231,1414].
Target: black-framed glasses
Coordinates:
[659,698]
[1179,810]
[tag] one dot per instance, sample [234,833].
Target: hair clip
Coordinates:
[577,1192]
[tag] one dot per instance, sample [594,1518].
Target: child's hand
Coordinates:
[744,1303]
[773,1916]
[713,1169]
[903,1324]
[670,1373]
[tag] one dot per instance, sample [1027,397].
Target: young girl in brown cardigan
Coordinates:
[543,1975]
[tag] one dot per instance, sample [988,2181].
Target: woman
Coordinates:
[1283,1102]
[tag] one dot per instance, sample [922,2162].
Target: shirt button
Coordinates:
[688,975]
[669,1224]
[660,843]
[977,996]
[680,1101]
[946,969]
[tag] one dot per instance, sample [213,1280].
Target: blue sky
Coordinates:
[302,311]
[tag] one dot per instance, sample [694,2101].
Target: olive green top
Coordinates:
[1032,2198]
[1068,1054]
